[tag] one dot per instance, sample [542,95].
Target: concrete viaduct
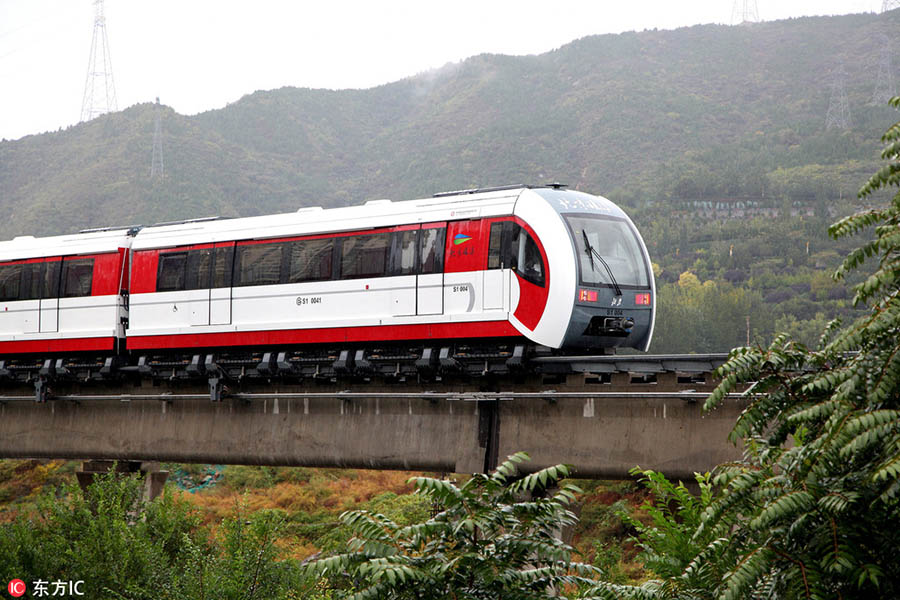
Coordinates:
[604,415]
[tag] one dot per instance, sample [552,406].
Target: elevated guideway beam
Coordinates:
[604,415]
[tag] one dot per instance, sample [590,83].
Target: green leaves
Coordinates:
[541,479]
[813,508]
[788,506]
[487,539]
[749,571]
[125,549]
[436,488]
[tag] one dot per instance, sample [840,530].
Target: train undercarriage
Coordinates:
[227,368]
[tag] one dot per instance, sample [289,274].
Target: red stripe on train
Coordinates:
[58,345]
[375,333]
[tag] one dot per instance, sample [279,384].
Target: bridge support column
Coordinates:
[489,433]
[153,478]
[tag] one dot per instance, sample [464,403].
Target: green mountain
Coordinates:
[693,112]
[713,137]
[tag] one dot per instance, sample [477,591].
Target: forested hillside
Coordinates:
[712,136]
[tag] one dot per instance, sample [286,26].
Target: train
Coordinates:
[529,266]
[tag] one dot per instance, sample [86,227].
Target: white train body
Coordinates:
[459,294]
[63,294]
[539,266]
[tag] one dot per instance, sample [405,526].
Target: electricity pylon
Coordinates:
[157,167]
[838,115]
[885,88]
[99,87]
[744,12]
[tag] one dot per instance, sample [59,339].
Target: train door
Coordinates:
[430,277]
[404,253]
[220,290]
[497,275]
[197,276]
[19,298]
[50,273]
[180,289]
[29,304]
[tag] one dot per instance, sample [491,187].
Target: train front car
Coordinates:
[602,293]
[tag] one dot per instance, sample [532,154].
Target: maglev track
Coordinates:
[489,368]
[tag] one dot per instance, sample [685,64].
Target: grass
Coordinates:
[313,499]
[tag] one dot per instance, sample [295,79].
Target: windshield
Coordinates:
[615,242]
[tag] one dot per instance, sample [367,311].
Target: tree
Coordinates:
[706,317]
[820,515]
[123,548]
[670,548]
[812,510]
[484,542]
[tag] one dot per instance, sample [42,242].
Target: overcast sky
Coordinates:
[196,55]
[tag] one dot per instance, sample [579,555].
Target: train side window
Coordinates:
[77,277]
[509,245]
[30,288]
[10,281]
[403,254]
[432,250]
[50,287]
[365,255]
[25,283]
[259,264]
[170,277]
[495,245]
[196,275]
[531,265]
[311,260]
[222,267]
[37,278]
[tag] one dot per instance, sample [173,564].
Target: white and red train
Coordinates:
[540,266]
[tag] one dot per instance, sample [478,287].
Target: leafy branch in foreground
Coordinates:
[487,540]
[817,518]
[813,509]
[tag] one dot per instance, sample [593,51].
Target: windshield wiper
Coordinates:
[591,254]
[588,249]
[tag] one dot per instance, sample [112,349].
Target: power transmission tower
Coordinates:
[884,79]
[157,168]
[887,5]
[744,12]
[838,115]
[99,87]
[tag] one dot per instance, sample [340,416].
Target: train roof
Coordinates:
[467,204]
[95,242]
[447,206]
[462,204]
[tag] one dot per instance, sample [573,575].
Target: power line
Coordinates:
[99,87]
